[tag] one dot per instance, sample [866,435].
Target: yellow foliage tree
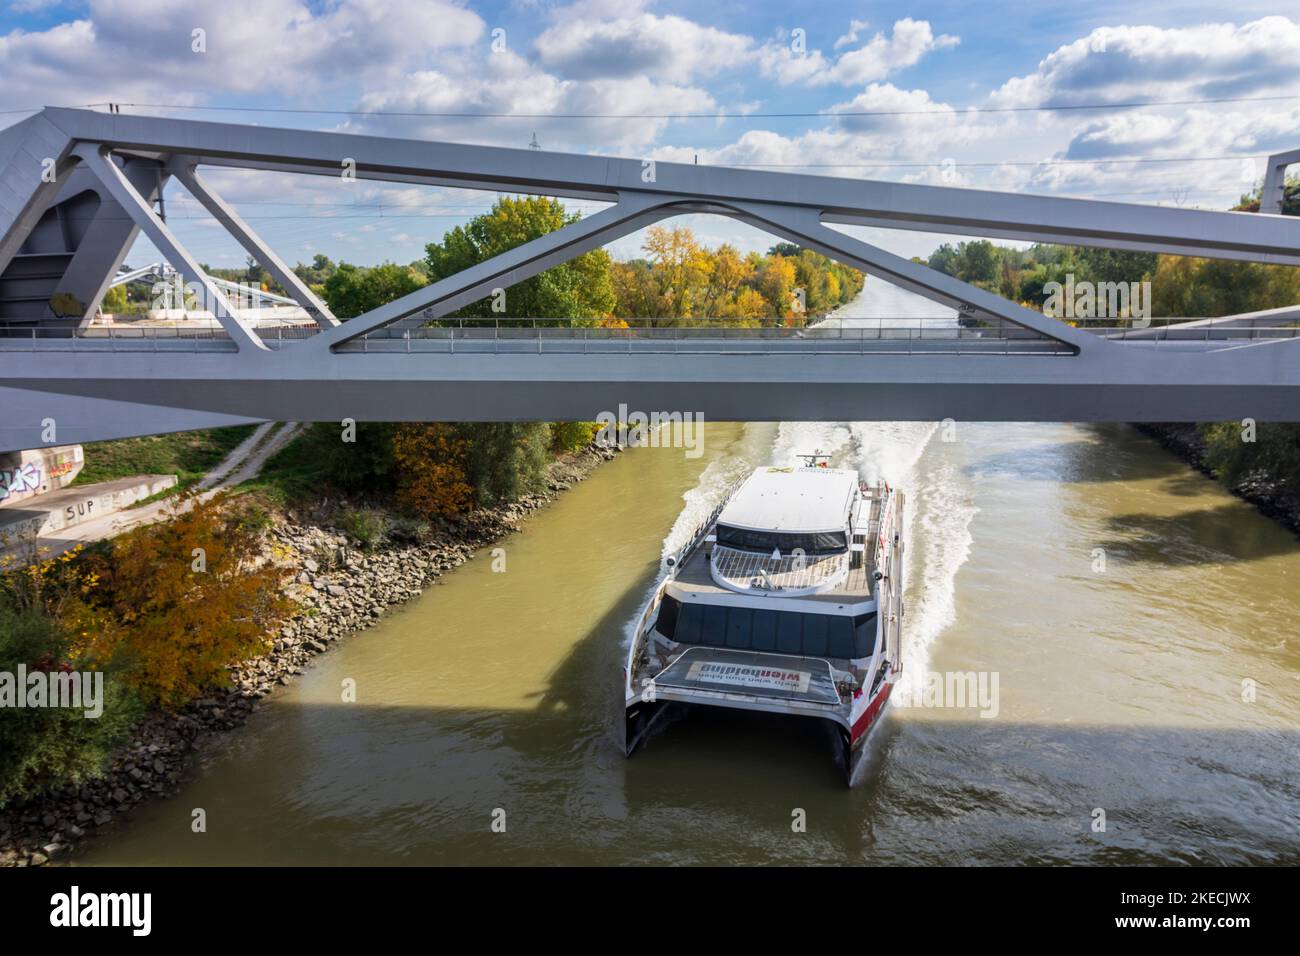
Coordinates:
[776,282]
[748,304]
[683,281]
[832,287]
[729,270]
[61,587]
[683,267]
[430,459]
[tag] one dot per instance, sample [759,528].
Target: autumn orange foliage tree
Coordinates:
[189,597]
[681,281]
[430,459]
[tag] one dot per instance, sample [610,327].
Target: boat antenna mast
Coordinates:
[817,459]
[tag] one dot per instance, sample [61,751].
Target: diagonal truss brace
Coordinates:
[96,158]
[1273,191]
[630,213]
[805,227]
[184,169]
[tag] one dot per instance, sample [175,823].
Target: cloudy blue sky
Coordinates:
[949,71]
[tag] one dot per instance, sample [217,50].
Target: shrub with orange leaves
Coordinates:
[432,477]
[187,598]
[58,587]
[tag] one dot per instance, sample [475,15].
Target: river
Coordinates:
[1126,605]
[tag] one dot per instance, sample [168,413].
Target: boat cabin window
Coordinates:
[763,629]
[812,542]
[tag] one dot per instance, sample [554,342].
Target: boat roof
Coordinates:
[792,499]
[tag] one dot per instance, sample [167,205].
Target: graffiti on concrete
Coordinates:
[82,509]
[16,481]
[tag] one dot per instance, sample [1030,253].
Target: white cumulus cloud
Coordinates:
[878,58]
[596,40]
[1129,63]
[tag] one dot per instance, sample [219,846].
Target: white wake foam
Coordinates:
[937,529]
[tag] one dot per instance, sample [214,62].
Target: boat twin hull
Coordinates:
[644,714]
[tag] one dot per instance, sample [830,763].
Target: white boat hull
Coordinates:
[830,642]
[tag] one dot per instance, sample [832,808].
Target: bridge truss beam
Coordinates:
[326,376]
[185,169]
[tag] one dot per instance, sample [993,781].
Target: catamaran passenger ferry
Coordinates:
[787,599]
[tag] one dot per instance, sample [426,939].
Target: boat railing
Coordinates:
[674,561]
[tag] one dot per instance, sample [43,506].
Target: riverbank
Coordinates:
[1273,498]
[341,589]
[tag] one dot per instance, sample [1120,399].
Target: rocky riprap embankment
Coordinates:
[341,588]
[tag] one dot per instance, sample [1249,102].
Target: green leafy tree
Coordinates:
[114,300]
[504,460]
[978,262]
[321,268]
[363,465]
[352,290]
[1115,265]
[578,289]
[570,436]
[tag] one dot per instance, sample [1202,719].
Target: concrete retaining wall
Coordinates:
[71,506]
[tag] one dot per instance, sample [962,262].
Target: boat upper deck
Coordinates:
[694,578]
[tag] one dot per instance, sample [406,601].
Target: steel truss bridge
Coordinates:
[77,187]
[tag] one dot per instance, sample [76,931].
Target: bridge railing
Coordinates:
[115,339]
[940,333]
[910,336]
[1211,333]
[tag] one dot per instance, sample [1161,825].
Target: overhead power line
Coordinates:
[918,164]
[720,114]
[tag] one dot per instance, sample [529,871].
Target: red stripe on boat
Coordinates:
[863,723]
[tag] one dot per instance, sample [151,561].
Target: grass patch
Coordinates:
[297,472]
[156,496]
[187,455]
